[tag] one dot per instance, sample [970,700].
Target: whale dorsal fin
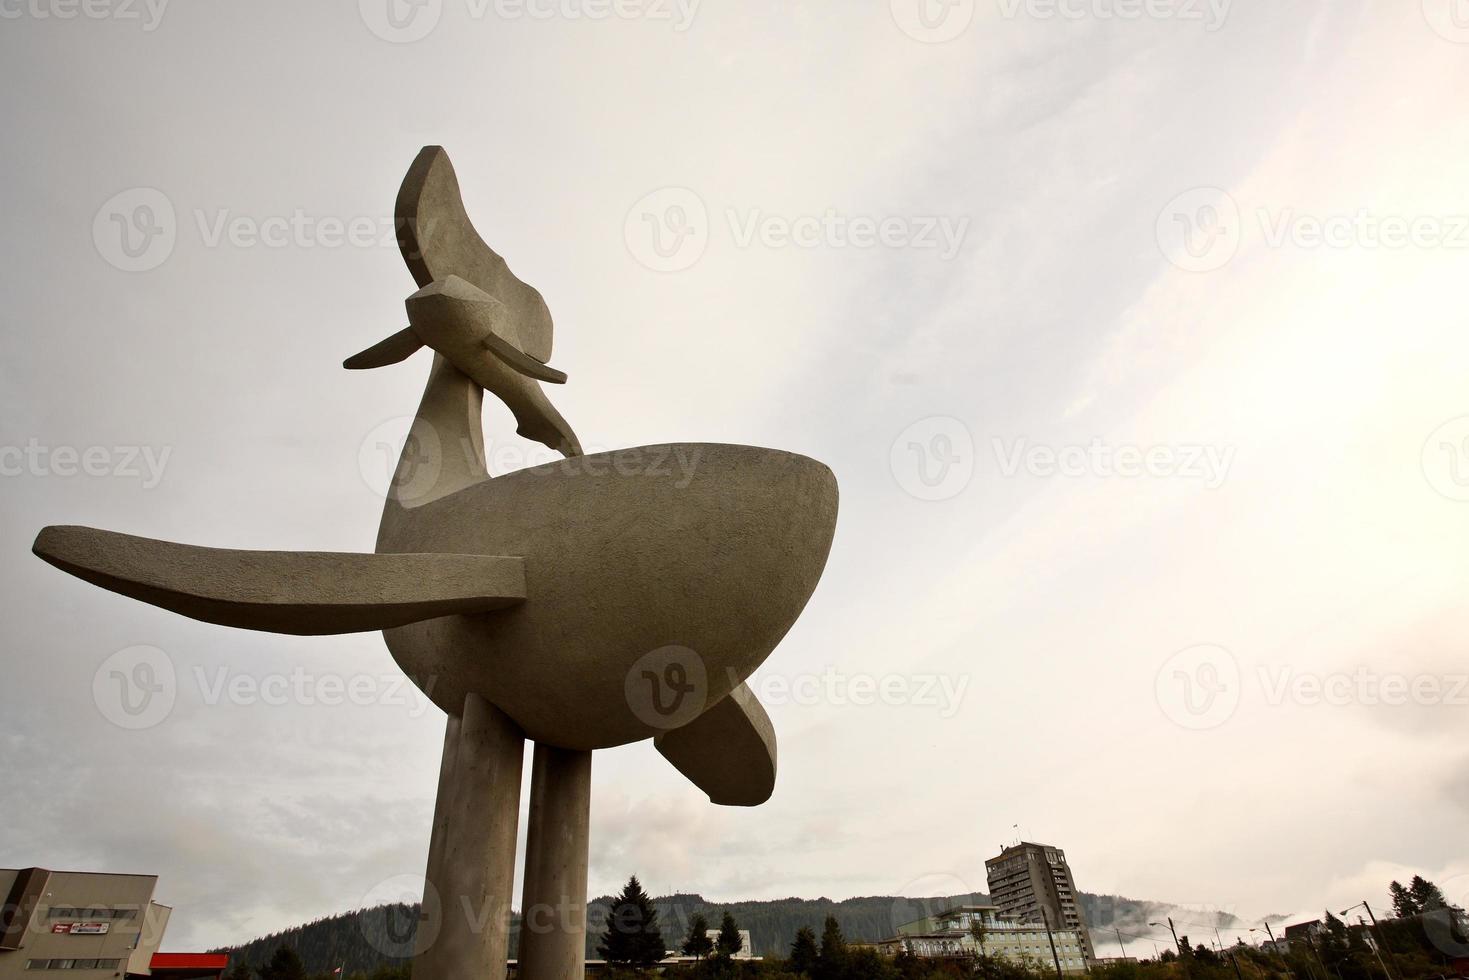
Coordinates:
[306,593]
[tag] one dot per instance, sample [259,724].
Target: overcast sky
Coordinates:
[1138,345]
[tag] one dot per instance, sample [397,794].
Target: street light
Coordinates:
[1172,930]
[1380,941]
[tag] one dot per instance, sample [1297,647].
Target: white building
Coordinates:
[951,934]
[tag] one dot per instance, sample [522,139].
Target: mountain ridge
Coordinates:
[366,939]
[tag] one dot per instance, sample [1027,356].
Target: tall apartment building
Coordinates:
[1033,883]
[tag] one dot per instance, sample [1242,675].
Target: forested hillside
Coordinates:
[365,940]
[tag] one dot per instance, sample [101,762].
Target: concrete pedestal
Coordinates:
[554,925]
[464,931]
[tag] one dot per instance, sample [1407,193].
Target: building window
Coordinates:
[71,912]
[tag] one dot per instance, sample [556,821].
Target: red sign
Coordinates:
[61,927]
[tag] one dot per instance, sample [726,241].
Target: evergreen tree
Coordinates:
[284,965]
[730,941]
[832,960]
[632,937]
[698,944]
[239,970]
[1403,904]
[1426,895]
[803,952]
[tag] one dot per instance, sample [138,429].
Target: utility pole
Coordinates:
[1382,940]
[1182,957]
[1312,943]
[1234,961]
[1120,944]
[1271,933]
[1376,945]
[1046,919]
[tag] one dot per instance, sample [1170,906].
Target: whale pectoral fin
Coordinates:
[306,593]
[399,347]
[728,751]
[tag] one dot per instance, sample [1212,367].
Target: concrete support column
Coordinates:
[464,932]
[554,914]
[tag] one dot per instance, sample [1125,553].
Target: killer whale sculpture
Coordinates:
[539,601]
